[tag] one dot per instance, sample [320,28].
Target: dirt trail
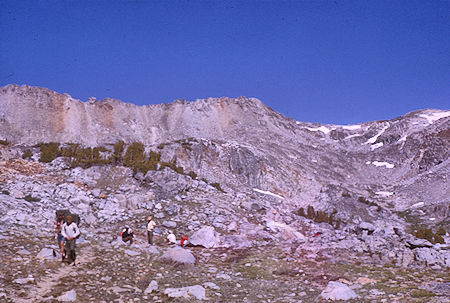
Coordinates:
[43,288]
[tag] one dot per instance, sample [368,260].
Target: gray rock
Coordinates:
[223,276]
[169,224]
[206,237]
[178,255]
[132,252]
[407,258]
[90,219]
[338,291]
[234,241]
[46,253]
[159,215]
[211,285]
[417,243]
[366,226]
[428,255]
[153,250]
[196,291]
[70,296]
[151,287]
[23,252]
[27,280]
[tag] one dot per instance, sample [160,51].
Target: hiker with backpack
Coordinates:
[71,232]
[57,227]
[127,234]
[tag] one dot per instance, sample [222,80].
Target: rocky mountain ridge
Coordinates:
[249,182]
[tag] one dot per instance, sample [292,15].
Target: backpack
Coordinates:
[65,213]
[76,219]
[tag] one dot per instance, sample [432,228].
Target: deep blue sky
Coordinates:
[337,62]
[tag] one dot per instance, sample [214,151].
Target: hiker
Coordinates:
[57,233]
[171,238]
[184,241]
[127,234]
[150,226]
[70,232]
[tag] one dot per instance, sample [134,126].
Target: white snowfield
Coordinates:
[379,164]
[267,193]
[352,136]
[402,139]
[351,127]
[431,118]
[384,193]
[323,129]
[375,146]
[419,204]
[374,138]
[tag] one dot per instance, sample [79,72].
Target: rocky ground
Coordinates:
[109,271]
[250,247]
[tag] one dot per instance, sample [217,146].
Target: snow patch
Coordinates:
[431,118]
[375,146]
[374,138]
[419,204]
[267,193]
[384,193]
[379,164]
[323,129]
[352,136]
[432,219]
[402,139]
[351,127]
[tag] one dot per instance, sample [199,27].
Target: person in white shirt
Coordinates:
[70,231]
[171,238]
[150,226]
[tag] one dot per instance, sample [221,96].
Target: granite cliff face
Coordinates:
[242,176]
[408,156]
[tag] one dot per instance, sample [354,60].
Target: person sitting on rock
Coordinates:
[70,231]
[171,238]
[57,227]
[127,234]
[184,241]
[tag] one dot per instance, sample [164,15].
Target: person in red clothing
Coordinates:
[127,234]
[184,241]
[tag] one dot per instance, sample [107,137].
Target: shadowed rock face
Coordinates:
[241,142]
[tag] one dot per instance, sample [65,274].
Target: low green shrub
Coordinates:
[217,186]
[116,157]
[370,203]
[186,145]
[319,216]
[441,231]
[192,174]
[4,142]
[421,293]
[427,234]
[27,154]
[49,152]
